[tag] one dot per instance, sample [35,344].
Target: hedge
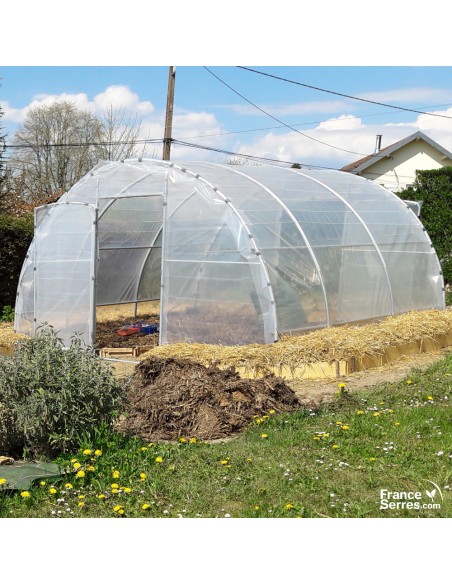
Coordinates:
[16,234]
[434,188]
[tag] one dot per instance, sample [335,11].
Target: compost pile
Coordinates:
[174,398]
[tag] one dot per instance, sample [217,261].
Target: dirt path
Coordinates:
[316,392]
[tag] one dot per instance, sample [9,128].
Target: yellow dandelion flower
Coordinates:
[127,490]
[73,460]
[115,491]
[114,486]
[159,459]
[271,412]
[91,469]
[25,494]
[143,476]
[115,474]
[101,496]
[192,440]
[289,506]
[81,504]
[263,436]
[335,446]
[87,452]
[119,509]
[316,437]
[372,459]
[376,414]
[143,448]
[345,427]
[150,444]
[68,486]
[256,507]
[360,412]
[42,483]
[77,465]
[80,474]
[53,491]
[409,382]
[145,506]
[182,440]
[382,403]
[225,461]
[338,423]
[396,423]
[98,452]
[2,481]
[430,397]
[81,496]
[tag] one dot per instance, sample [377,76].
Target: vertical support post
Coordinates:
[169,113]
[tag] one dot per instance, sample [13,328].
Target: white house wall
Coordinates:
[399,169]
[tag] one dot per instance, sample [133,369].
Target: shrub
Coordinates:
[50,396]
[7,314]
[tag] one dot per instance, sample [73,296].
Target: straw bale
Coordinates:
[323,345]
[8,338]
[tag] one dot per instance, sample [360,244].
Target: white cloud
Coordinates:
[120,97]
[117,96]
[342,123]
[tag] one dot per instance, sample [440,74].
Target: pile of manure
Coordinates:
[174,398]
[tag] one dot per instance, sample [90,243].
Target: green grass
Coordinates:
[394,436]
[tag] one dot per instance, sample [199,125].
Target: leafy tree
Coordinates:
[434,188]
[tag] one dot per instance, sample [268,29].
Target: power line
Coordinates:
[337,120]
[405,109]
[281,122]
[85,144]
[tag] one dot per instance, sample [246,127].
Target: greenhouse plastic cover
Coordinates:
[236,254]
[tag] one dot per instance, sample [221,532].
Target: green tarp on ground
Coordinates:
[21,475]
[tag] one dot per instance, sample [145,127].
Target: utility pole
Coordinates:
[169,113]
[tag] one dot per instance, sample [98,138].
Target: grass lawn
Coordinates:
[327,463]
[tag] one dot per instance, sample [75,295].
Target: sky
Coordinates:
[232,109]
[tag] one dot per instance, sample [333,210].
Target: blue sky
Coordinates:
[336,130]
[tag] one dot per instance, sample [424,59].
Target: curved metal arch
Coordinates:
[197,176]
[299,228]
[363,223]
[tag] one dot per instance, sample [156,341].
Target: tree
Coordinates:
[58,144]
[434,188]
[117,135]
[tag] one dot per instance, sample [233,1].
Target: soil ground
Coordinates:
[316,392]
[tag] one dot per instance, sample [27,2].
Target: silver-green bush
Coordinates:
[51,396]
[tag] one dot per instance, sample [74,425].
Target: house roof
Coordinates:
[363,163]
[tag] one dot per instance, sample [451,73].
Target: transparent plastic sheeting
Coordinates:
[236,254]
[57,285]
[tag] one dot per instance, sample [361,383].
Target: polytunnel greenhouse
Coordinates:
[235,254]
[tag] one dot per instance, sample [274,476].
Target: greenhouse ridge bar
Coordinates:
[235,255]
